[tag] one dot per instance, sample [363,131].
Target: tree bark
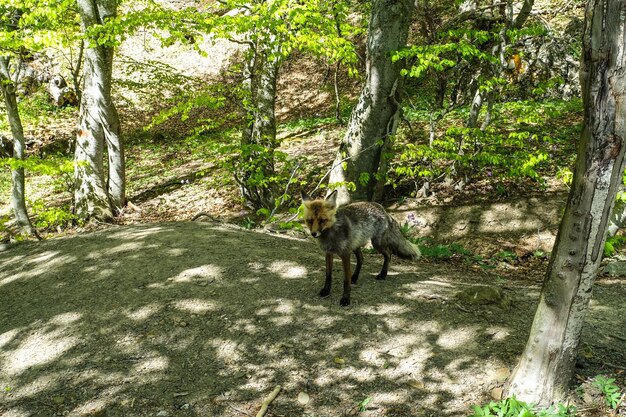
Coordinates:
[546,366]
[258,139]
[376,115]
[98,195]
[18,194]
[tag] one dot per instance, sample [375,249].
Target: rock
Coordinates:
[483,295]
[303,398]
[615,269]
[496,393]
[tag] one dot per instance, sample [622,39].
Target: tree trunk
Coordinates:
[545,368]
[258,139]
[375,117]
[98,125]
[18,194]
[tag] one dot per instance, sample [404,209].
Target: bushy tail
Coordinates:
[399,245]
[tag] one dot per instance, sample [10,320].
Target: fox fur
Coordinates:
[345,230]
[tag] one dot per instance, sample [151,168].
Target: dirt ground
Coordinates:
[206,319]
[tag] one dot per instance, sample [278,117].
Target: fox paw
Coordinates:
[354,280]
[344,302]
[324,292]
[381,276]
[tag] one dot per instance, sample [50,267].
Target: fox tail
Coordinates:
[399,245]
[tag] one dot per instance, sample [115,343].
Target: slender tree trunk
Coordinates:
[258,140]
[374,119]
[18,194]
[98,194]
[546,366]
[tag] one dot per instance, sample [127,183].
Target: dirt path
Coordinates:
[200,319]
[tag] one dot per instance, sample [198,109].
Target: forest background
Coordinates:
[230,110]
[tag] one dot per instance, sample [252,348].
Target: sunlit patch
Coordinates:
[125,247]
[497,333]
[176,252]
[43,383]
[195,305]
[386,309]
[287,269]
[143,313]
[38,265]
[281,321]
[65,318]
[198,273]
[7,337]
[97,406]
[156,364]
[457,338]
[17,413]
[245,326]
[225,350]
[38,349]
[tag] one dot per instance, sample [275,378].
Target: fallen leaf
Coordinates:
[415,384]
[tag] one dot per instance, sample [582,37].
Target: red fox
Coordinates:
[345,230]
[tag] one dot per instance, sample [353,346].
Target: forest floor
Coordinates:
[158,315]
[206,318]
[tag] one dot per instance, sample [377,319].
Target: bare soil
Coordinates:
[206,319]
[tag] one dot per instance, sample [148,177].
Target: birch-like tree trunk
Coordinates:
[375,118]
[258,139]
[98,194]
[18,193]
[546,366]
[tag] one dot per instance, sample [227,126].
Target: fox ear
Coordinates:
[331,200]
[305,197]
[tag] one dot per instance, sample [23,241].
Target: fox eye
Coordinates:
[322,222]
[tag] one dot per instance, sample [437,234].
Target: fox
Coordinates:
[344,230]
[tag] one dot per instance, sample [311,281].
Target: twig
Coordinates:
[286,188]
[202,213]
[267,401]
[341,162]
[612,365]
[623,339]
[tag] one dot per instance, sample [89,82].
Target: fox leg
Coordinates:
[345,298]
[359,262]
[387,257]
[383,272]
[325,291]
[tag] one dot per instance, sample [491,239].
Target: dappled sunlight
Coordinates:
[143,313]
[151,365]
[46,382]
[195,305]
[7,337]
[97,405]
[41,346]
[224,333]
[40,264]
[288,269]
[204,272]
[457,338]
[385,309]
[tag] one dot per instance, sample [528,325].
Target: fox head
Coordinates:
[319,215]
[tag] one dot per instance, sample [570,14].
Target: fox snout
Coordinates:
[315,234]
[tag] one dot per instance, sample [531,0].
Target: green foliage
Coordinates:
[439,251]
[612,394]
[362,406]
[46,217]
[519,144]
[512,407]
[612,244]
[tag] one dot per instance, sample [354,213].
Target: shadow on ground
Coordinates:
[192,319]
